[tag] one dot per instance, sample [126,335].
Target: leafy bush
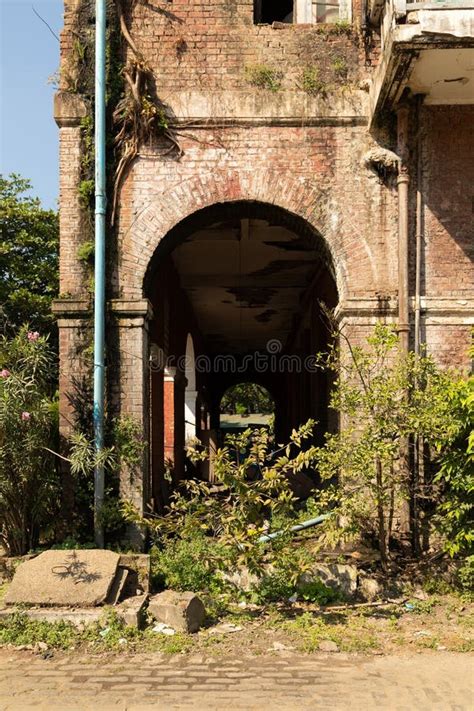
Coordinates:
[249,493]
[387,399]
[29,481]
[312,83]
[466,574]
[18,629]
[456,473]
[124,450]
[187,563]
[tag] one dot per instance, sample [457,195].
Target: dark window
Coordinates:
[268,11]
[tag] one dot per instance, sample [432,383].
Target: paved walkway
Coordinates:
[431,681]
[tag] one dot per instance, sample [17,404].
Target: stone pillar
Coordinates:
[169,415]
[173,406]
[159,485]
[190,400]
[128,375]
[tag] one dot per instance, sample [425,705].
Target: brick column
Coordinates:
[169,415]
[69,110]
[128,375]
[75,334]
[173,412]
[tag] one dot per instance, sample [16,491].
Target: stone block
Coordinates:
[139,572]
[133,611]
[334,575]
[69,108]
[370,589]
[183,611]
[75,578]
[118,586]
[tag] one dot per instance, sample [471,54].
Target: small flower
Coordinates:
[33,335]
[4,373]
[25,416]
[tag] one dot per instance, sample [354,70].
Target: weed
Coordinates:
[311,83]
[18,629]
[340,67]
[177,644]
[466,575]
[186,564]
[437,586]
[86,192]
[342,27]
[70,544]
[264,77]
[424,607]
[85,252]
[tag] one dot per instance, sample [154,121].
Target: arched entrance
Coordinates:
[236,290]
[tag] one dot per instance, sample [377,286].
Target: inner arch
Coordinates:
[242,281]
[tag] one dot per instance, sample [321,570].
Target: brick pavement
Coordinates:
[289,682]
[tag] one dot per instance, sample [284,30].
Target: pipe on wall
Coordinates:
[99,285]
[403,182]
[419,226]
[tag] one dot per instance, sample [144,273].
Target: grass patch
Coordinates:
[311,82]
[352,634]
[264,77]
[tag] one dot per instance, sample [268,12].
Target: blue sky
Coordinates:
[29,54]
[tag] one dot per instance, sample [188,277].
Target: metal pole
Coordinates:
[99,289]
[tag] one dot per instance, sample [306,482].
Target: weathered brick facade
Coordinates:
[300,147]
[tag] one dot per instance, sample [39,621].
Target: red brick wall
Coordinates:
[197,44]
[448,161]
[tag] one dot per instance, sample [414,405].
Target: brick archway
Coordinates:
[299,196]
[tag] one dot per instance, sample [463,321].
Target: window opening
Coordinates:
[268,11]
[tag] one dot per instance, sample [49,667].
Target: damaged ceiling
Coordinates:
[245,279]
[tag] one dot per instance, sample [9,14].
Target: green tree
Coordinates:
[247,398]
[456,473]
[385,398]
[29,481]
[28,256]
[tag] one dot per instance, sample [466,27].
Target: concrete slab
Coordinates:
[78,617]
[76,578]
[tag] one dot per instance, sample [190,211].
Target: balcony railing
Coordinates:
[378,8]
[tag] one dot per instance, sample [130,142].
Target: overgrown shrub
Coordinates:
[283,579]
[190,562]
[388,400]
[455,515]
[213,529]
[29,481]
[124,450]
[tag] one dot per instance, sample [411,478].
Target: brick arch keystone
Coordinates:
[300,196]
